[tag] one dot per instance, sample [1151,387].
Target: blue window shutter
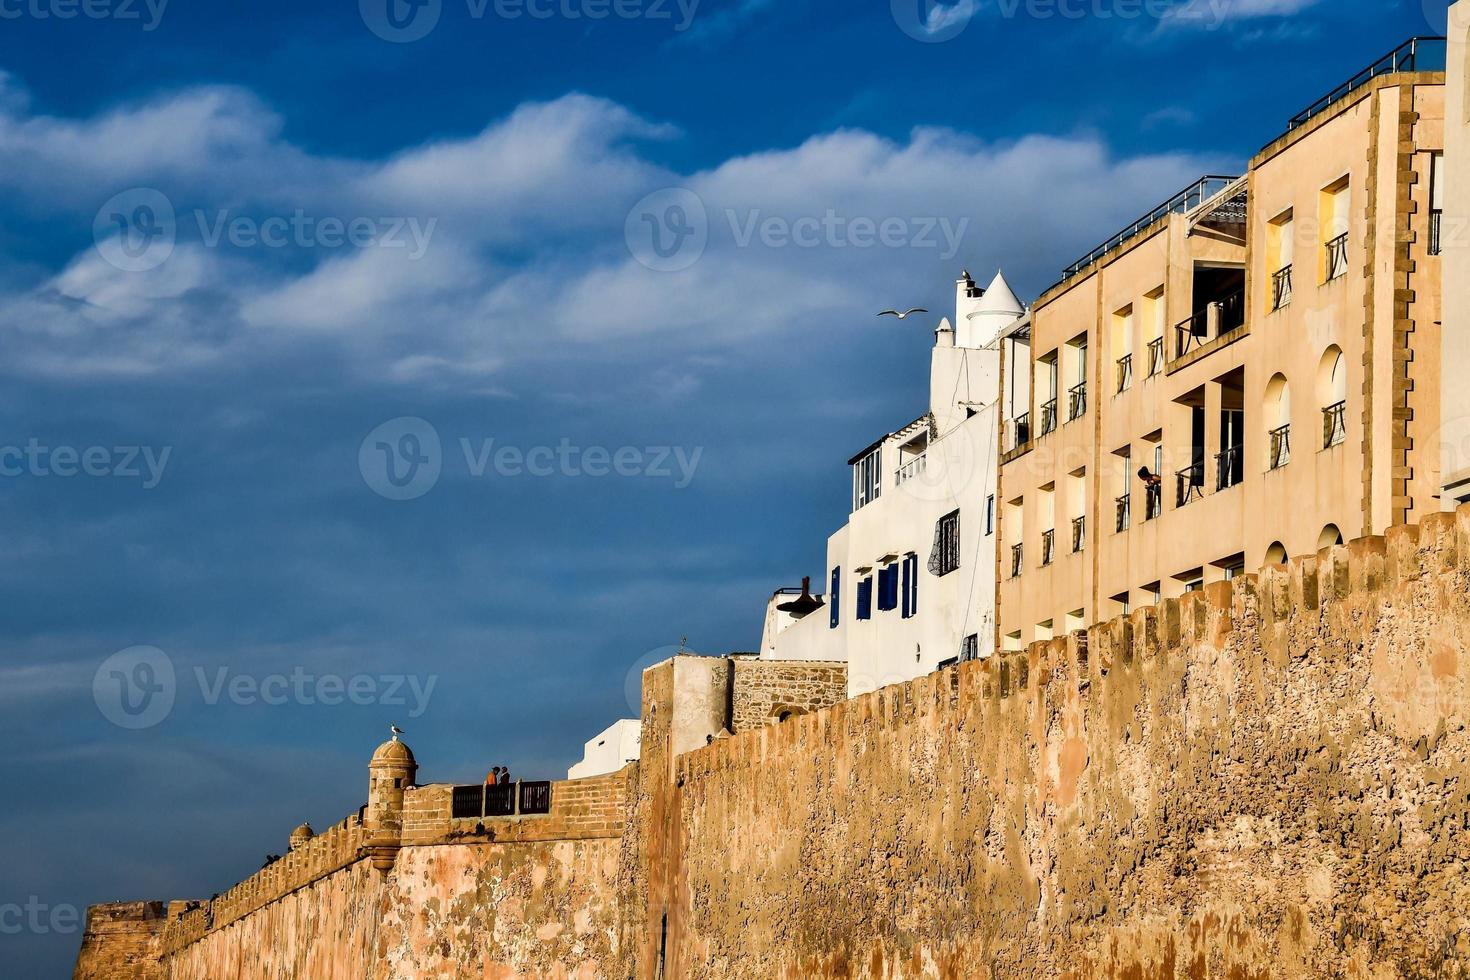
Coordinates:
[835,596]
[907,587]
[914,585]
[865,598]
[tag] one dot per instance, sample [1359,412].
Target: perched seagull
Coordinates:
[904,314]
[396,731]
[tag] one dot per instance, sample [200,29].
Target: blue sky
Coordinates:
[235,373]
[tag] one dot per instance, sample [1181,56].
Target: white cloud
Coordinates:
[1213,14]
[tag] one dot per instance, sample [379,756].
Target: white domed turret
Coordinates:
[996,310]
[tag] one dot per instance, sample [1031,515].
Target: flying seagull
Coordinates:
[904,314]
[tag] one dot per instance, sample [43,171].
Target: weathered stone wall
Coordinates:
[765,690]
[121,942]
[1268,779]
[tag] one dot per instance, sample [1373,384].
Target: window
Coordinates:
[1123,348]
[910,587]
[1334,212]
[888,587]
[1153,327]
[970,648]
[1332,392]
[1279,254]
[1276,554]
[1329,537]
[865,598]
[1278,422]
[990,515]
[835,598]
[946,555]
[1077,393]
[1046,390]
[1436,200]
[867,478]
[1013,642]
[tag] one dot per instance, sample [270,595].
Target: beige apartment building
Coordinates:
[1249,372]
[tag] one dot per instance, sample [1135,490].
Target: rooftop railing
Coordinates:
[1415,54]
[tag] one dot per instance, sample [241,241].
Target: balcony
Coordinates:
[1216,319]
[1048,547]
[914,467]
[1337,257]
[1334,425]
[1436,219]
[1229,468]
[1079,533]
[1280,453]
[1191,484]
[1125,373]
[1153,501]
[1280,288]
[1155,356]
[1076,401]
[1020,430]
[1048,417]
[1017,556]
[1123,506]
[1415,54]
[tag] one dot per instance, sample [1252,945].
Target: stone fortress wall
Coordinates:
[1267,778]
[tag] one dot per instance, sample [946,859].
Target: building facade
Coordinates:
[1249,372]
[910,578]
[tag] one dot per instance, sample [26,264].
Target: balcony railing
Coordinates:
[1334,425]
[1280,447]
[1079,533]
[1048,417]
[914,467]
[1048,547]
[1153,501]
[1155,356]
[500,800]
[1229,468]
[1436,219]
[1076,401]
[1281,288]
[1017,555]
[1415,54]
[1125,372]
[1020,430]
[1186,200]
[1122,507]
[1337,257]
[1215,320]
[1191,483]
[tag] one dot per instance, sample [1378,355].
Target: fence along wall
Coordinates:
[1266,779]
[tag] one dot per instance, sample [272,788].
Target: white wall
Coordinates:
[1455,271]
[614,748]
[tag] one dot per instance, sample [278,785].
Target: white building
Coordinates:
[911,576]
[610,751]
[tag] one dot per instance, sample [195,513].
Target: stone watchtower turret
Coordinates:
[390,773]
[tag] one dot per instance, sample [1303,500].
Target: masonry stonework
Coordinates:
[769,691]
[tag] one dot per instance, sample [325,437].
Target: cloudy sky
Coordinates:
[469,355]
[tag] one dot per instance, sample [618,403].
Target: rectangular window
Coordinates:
[946,555]
[888,588]
[990,515]
[865,598]
[867,478]
[834,597]
[970,648]
[1436,201]
[1334,211]
[1280,248]
[910,586]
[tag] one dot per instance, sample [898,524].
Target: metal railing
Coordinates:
[1155,356]
[1415,54]
[1079,533]
[1337,257]
[1280,288]
[1191,483]
[1334,424]
[1229,468]
[1186,200]
[1076,401]
[914,467]
[1020,430]
[500,800]
[1436,219]
[1048,547]
[1124,506]
[1017,555]
[1125,372]
[1280,447]
[1217,319]
[1153,501]
[1048,417]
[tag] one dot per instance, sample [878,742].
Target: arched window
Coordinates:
[1276,554]
[1277,416]
[1332,395]
[1329,537]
